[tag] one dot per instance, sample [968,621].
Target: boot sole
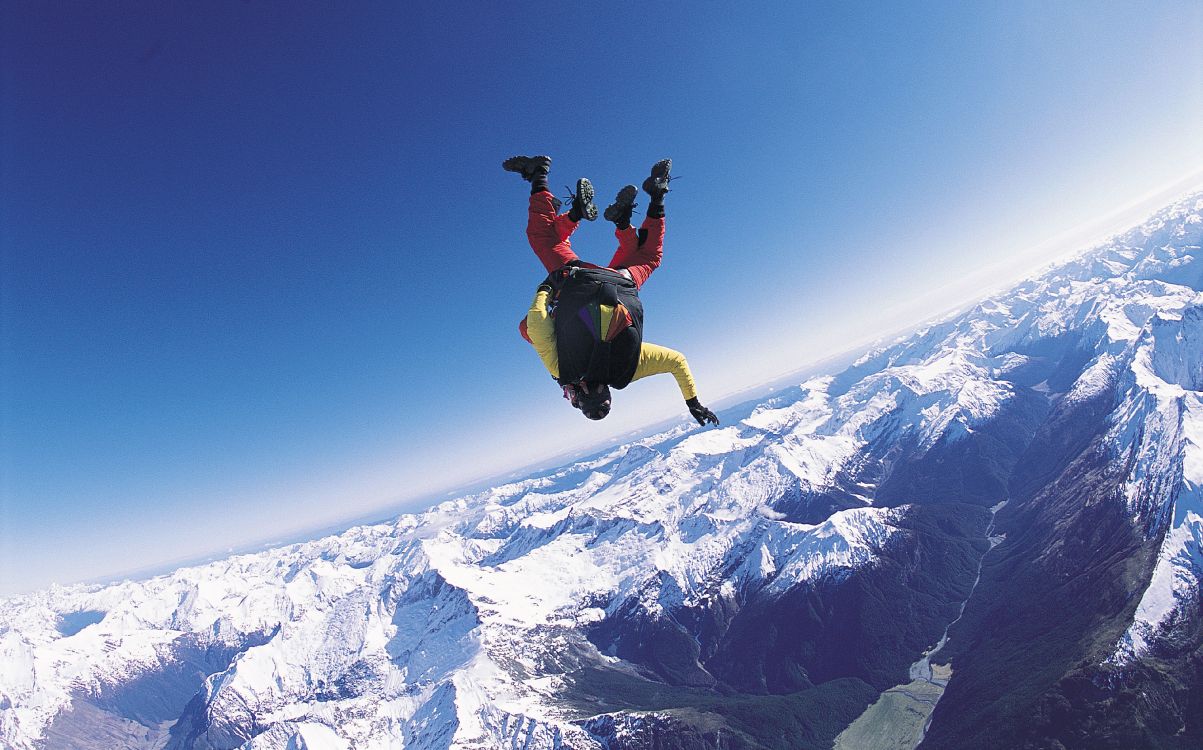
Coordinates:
[584,199]
[659,174]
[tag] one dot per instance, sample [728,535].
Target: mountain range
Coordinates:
[986,534]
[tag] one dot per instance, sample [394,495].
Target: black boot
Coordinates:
[582,202]
[656,185]
[620,210]
[534,169]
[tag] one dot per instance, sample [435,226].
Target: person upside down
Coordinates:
[586,321]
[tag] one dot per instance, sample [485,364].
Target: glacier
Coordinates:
[491,619]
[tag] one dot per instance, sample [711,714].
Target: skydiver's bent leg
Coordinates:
[640,251]
[549,232]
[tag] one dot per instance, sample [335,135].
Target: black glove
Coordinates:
[700,413]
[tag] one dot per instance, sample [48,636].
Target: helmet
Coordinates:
[593,400]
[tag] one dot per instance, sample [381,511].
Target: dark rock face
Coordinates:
[819,654]
[663,732]
[1052,602]
[832,644]
[973,469]
[691,718]
[872,625]
[143,712]
[799,505]
[84,726]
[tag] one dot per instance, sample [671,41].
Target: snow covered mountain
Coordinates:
[993,525]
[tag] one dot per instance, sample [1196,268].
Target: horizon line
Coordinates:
[1131,214]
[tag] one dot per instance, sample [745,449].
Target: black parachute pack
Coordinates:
[598,326]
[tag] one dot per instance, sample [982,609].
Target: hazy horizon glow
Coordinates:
[261,272]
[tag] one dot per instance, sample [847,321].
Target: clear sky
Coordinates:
[260,270]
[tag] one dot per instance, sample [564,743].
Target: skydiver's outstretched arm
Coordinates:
[655,359]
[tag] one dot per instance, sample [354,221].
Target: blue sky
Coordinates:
[260,270]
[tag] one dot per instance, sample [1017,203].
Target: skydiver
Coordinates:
[586,321]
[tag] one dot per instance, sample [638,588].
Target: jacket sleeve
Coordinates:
[540,331]
[654,359]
